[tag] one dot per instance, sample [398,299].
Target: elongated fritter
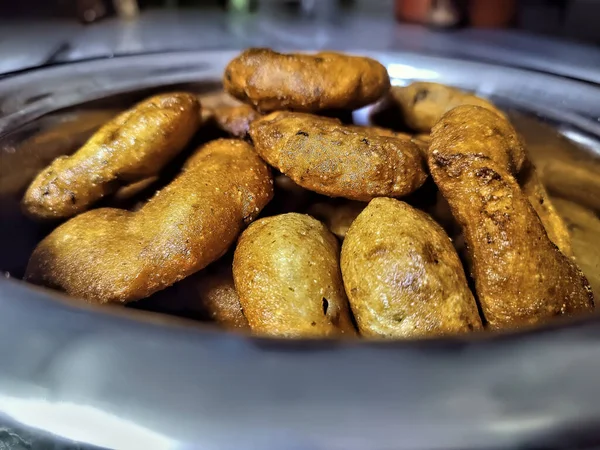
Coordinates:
[113,255]
[520,276]
[423,103]
[272,81]
[542,204]
[324,156]
[287,274]
[133,146]
[402,275]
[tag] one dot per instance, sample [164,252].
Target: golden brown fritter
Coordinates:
[287,274]
[422,103]
[337,215]
[216,293]
[113,255]
[490,137]
[235,120]
[324,156]
[538,197]
[133,146]
[272,81]
[520,276]
[402,275]
[584,226]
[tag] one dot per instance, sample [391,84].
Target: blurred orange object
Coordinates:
[437,13]
[491,13]
[413,10]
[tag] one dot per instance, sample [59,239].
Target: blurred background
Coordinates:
[554,35]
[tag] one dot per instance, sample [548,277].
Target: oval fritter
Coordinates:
[286,272]
[423,103]
[324,156]
[272,81]
[402,275]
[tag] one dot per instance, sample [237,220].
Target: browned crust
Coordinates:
[423,103]
[272,81]
[521,277]
[286,272]
[402,275]
[324,156]
[133,146]
[113,255]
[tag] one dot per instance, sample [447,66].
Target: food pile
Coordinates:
[436,226]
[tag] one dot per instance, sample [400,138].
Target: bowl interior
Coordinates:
[565,153]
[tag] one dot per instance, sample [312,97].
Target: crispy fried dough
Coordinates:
[324,156]
[113,255]
[214,291]
[337,215]
[133,146]
[422,103]
[272,81]
[235,120]
[540,200]
[286,272]
[402,275]
[520,276]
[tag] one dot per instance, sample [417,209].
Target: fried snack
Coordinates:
[569,179]
[132,191]
[538,197]
[113,255]
[133,146]
[216,292]
[402,275]
[521,277]
[422,140]
[286,272]
[235,120]
[423,103]
[337,215]
[207,295]
[584,226]
[324,156]
[272,81]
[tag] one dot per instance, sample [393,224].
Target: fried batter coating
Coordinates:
[521,277]
[584,226]
[337,215]
[216,291]
[287,274]
[207,295]
[402,275]
[538,197]
[272,81]
[133,146]
[489,137]
[235,120]
[113,255]
[324,156]
[423,103]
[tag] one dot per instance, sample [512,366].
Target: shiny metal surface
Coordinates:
[120,378]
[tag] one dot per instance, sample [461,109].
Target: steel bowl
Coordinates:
[123,378]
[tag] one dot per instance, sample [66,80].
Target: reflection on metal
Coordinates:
[406,72]
[83,423]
